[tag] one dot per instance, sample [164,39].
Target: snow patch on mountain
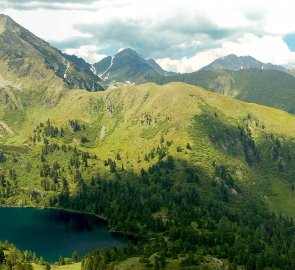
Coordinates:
[102,74]
[93,69]
[65,74]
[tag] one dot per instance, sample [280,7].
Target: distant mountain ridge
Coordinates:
[234,62]
[128,66]
[23,55]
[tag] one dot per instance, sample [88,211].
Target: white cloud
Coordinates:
[88,53]
[191,64]
[189,44]
[51,25]
[268,49]
[204,29]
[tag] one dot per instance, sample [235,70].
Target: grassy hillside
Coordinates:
[130,122]
[172,163]
[266,87]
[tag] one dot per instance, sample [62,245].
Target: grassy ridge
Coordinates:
[267,87]
[172,140]
[131,120]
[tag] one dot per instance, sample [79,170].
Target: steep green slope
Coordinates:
[257,141]
[195,172]
[266,87]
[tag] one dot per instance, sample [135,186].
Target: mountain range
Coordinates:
[241,77]
[234,62]
[202,179]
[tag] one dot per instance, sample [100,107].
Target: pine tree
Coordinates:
[75,256]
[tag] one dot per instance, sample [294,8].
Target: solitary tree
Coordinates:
[2,257]
[47,266]
[75,256]
[62,260]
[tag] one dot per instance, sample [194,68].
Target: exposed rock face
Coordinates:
[29,56]
[126,66]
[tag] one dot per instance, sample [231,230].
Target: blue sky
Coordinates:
[182,35]
[290,40]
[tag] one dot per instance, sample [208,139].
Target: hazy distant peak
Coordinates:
[128,65]
[234,62]
[128,51]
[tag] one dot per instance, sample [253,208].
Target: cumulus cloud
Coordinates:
[182,35]
[268,49]
[51,1]
[45,4]
[87,52]
[161,39]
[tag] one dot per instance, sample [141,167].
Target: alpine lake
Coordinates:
[52,233]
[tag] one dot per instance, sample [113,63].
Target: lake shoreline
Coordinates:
[64,231]
[55,208]
[116,233]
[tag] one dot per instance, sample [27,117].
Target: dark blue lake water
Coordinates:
[51,233]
